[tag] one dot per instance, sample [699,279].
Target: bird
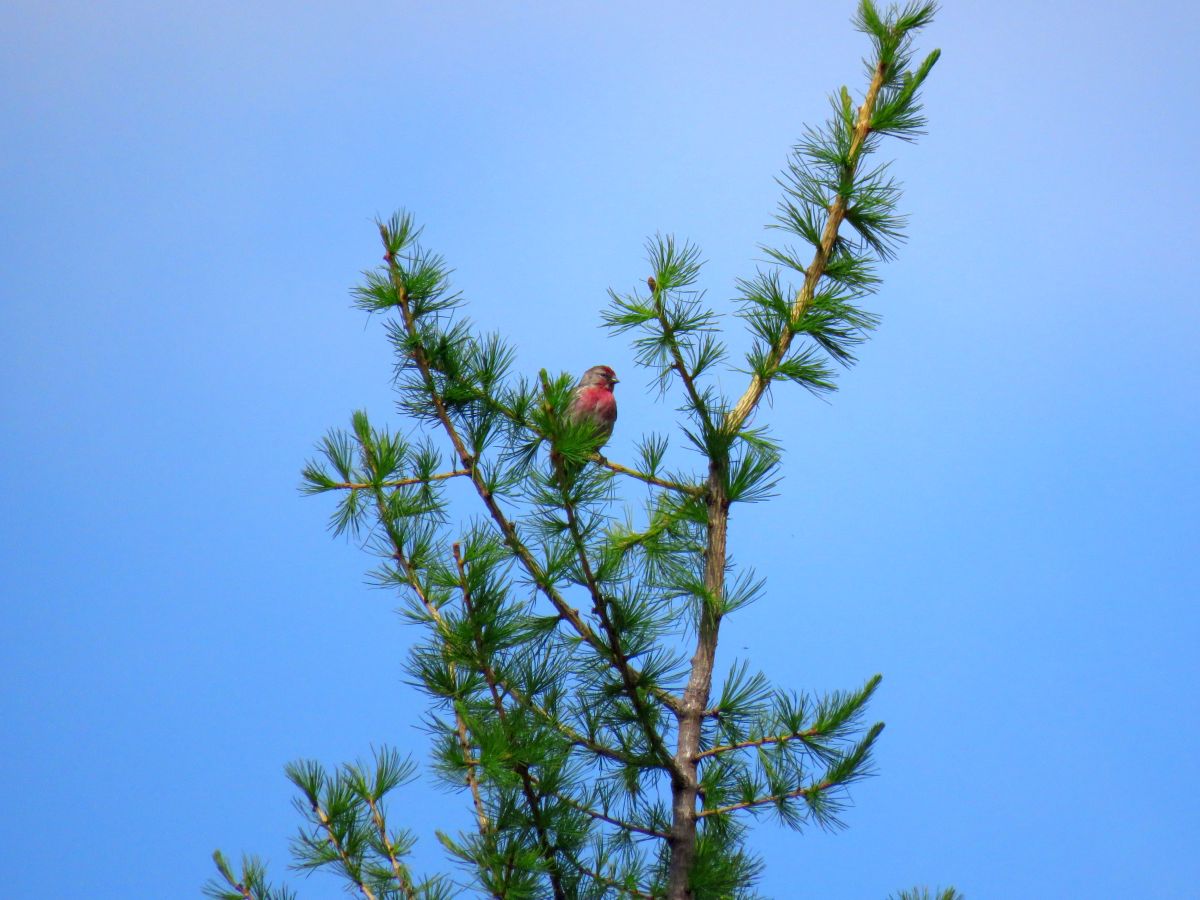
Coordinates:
[593,402]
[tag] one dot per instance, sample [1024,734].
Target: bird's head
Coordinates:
[599,376]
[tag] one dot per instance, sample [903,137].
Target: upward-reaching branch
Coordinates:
[876,225]
[815,270]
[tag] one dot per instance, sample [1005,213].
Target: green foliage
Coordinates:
[922,893]
[568,637]
[347,829]
[250,884]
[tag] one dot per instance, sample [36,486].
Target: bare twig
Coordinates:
[695,490]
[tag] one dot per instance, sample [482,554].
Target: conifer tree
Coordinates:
[568,639]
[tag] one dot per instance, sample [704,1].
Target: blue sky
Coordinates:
[998,511]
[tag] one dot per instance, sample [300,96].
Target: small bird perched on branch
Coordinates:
[593,401]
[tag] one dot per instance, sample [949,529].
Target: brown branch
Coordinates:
[762,801]
[602,817]
[685,789]
[404,482]
[759,742]
[694,490]
[562,728]
[610,882]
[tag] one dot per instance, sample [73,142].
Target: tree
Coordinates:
[568,649]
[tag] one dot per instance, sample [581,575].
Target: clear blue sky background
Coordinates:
[999,511]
